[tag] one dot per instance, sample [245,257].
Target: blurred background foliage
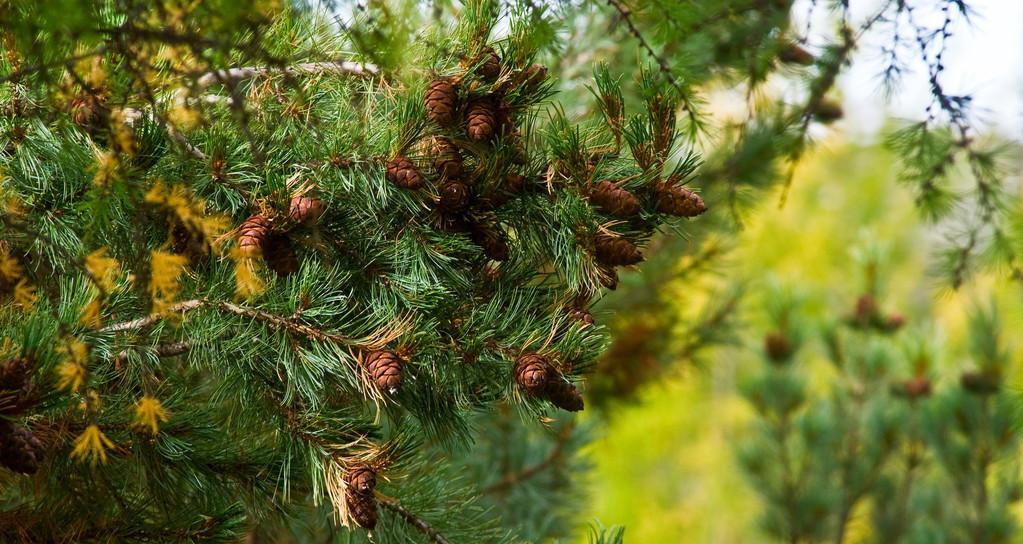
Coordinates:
[667,464]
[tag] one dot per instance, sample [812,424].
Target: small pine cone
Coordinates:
[447,159]
[90,113]
[14,373]
[442,101]
[385,369]
[491,239]
[564,395]
[515,183]
[363,509]
[305,210]
[828,111]
[490,67]
[534,75]
[777,347]
[866,310]
[614,200]
[608,277]
[20,450]
[980,383]
[362,479]
[677,200]
[481,119]
[401,172]
[581,315]
[913,388]
[533,373]
[616,251]
[251,235]
[792,53]
[279,254]
[454,196]
[185,242]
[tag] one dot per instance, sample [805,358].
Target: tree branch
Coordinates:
[248,72]
[152,319]
[553,457]
[412,519]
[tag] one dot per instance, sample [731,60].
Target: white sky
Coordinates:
[984,58]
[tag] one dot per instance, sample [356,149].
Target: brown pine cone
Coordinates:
[534,75]
[581,315]
[447,159]
[401,172]
[532,373]
[362,508]
[491,240]
[677,200]
[828,111]
[20,450]
[14,373]
[90,113]
[777,347]
[564,395]
[481,119]
[980,383]
[913,388]
[362,479]
[251,235]
[442,101]
[187,243]
[613,199]
[616,251]
[515,183]
[279,254]
[385,369]
[454,196]
[792,53]
[305,210]
[490,67]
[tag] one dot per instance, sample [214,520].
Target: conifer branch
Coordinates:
[412,519]
[248,72]
[152,319]
[556,453]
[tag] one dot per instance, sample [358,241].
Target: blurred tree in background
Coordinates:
[384,226]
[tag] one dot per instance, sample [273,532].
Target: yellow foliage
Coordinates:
[10,270]
[92,445]
[106,167]
[122,135]
[190,209]
[165,269]
[25,296]
[90,314]
[72,376]
[104,270]
[247,282]
[149,412]
[182,116]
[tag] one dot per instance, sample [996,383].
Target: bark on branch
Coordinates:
[412,519]
[247,72]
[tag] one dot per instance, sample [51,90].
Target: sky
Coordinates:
[984,58]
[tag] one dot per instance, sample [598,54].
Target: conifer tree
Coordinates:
[260,275]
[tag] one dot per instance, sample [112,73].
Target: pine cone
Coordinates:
[454,196]
[251,235]
[792,53]
[442,101]
[614,199]
[14,373]
[564,395]
[677,200]
[305,210]
[581,315]
[362,508]
[187,243]
[913,388]
[90,113]
[828,111]
[980,383]
[447,159]
[481,119]
[279,254]
[616,251]
[401,172]
[534,76]
[532,373]
[385,369]
[777,347]
[490,67]
[362,479]
[20,450]
[492,240]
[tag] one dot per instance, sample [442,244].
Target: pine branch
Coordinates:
[412,519]
[248,72]
[515,478]
[162,350]
[152,319]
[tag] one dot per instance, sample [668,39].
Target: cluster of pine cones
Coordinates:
[269,237]
[360,481]
[20,450]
